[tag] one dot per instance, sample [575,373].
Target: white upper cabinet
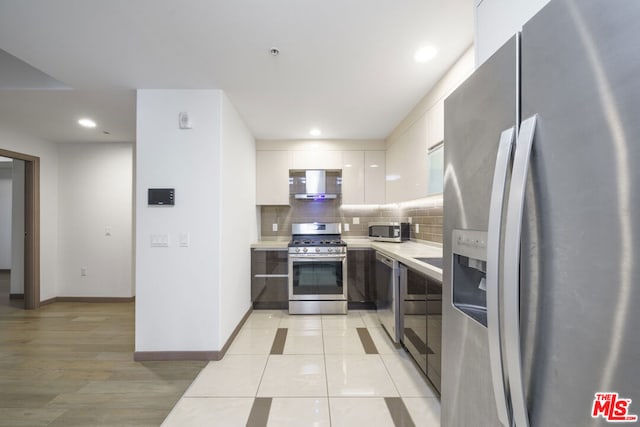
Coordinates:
[407,164]
[353,171]
[435,124]
[315,159]
[374,177]
[363,177]
[272,177]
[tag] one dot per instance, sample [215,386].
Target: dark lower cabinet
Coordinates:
[422,321]
[361,278]
[269,278]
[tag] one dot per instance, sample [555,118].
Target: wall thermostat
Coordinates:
[161,196]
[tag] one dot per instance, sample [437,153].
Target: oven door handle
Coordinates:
[316,258]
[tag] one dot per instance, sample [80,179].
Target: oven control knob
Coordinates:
[330,249]
[304,250]
[317,249]
[297,249]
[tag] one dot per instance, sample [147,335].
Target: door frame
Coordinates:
[31,227]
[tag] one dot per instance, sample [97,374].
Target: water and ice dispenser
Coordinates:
[469,273]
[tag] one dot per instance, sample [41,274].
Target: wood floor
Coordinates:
[71,364]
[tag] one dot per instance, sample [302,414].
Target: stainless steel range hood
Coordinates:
[315,186]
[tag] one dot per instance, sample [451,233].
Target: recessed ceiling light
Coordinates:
[374,166]
[348,165]
[87,123]
[315,132]
[425,54]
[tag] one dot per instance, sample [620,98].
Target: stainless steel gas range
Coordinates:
[317,269]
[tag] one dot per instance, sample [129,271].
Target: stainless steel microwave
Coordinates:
[389,231]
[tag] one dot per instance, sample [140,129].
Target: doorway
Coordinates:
[31,227]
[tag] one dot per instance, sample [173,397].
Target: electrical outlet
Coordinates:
[107,231]
[356,220]
[417,228]
[346,226]
[184,240]
[83,271]
[410,220]
[274,227]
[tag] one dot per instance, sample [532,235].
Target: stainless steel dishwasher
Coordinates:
[388,296]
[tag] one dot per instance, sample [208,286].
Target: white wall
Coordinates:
[95,187]
[498,20]
[238,218]
[6,172]
[48,154]
[177,288]
[17,229]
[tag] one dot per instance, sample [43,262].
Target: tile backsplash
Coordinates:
[427,213]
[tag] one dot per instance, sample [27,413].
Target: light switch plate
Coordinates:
[274,227]
[159,240]
[410,219]
[346,226]
[417,228]
[356,220]
[185,238]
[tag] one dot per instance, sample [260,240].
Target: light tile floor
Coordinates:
[323,378]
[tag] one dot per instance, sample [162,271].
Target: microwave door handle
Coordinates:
[500,383]
[512,245]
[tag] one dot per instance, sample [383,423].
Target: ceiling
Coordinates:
[345,66]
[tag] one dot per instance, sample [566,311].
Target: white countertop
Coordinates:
[270,244]
[404,252]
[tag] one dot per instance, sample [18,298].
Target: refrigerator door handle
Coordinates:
[500,383]
[512,243]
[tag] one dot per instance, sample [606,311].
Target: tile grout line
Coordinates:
[393,381]
[326,373]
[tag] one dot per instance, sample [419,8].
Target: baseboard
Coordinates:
[227,344]
[16,296]
[95,299]
[164,356]
[147,356]
[48,301]
[86,299]
[361,305]
[259,305]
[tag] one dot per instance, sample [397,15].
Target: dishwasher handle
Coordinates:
[386,261]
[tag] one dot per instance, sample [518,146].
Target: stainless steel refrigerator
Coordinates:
[541,297]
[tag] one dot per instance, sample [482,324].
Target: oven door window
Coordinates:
[317,278]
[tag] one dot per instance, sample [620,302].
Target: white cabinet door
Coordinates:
[435,124]
[374,177]
[307,159]
[407,164]
[353,177]
[272,177]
